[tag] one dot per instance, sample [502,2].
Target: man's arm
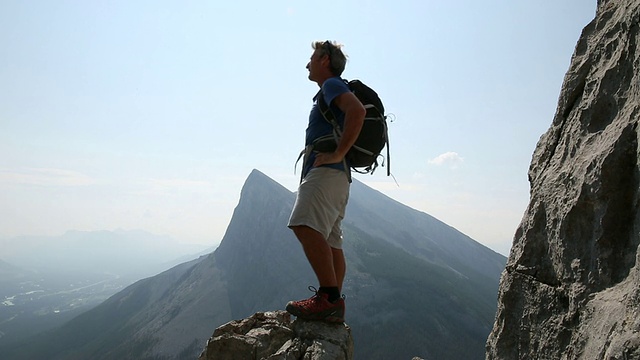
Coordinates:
[354,113]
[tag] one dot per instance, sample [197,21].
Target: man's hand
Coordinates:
[327,158]
[354,114]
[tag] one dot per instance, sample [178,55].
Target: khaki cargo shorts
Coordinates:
[321,203]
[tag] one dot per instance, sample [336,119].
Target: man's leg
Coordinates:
[319,254]
[320,201]
[326,304]
[339,266]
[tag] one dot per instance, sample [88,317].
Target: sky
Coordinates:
[150,115]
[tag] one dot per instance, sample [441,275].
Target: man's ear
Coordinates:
[325,60]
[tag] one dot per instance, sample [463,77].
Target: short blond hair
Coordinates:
[337,59]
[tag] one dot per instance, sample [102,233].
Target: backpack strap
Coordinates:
[328,115]
[304,155]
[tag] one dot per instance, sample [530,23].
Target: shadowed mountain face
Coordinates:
[419,233]
[414,286]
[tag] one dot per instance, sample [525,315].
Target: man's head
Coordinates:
[327,61]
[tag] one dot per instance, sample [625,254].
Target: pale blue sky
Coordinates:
[151,114]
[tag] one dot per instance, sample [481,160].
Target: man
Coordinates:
[324,189]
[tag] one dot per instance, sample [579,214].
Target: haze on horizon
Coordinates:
[150,115]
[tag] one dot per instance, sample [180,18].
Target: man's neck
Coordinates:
[323,79]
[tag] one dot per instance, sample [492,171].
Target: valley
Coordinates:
[36,301]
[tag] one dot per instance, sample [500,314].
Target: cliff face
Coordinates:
[571,287]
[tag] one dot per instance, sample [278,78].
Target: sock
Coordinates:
[333,292]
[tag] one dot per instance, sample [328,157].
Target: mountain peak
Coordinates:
[255,173]
[259,183]
[257,176]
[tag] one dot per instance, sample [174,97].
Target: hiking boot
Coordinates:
[317,307]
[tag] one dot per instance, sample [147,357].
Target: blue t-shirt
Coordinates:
[318,125]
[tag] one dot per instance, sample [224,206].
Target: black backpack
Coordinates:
[363,155]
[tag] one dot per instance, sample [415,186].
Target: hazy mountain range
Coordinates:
[137,252]
[415,287]
[46,281]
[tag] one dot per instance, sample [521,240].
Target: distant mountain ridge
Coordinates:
[10,271]
[408,293]
[5,266]
[47,280]
[118,251]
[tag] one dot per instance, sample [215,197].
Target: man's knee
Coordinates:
[304,232]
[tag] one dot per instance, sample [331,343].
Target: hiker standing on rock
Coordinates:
[324,190]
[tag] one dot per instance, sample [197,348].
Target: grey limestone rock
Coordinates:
[571,287]
[273,336]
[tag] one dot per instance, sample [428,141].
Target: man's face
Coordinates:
[316,64]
